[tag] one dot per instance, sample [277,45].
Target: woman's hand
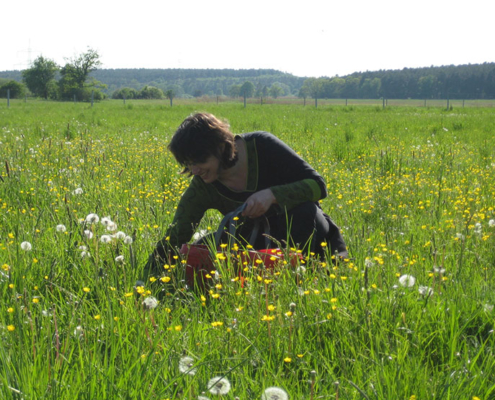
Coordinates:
[258,203]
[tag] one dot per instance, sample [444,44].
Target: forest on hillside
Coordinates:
[473,81]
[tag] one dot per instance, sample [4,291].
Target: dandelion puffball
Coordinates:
[128,240]
[491,223]
[61,228]
[407,280]
[78,191]
[150,302]
[88,234]
[105,238]
[274,393]
[26,246]
[119,259]
[92,218]
[219,385]
[186,365]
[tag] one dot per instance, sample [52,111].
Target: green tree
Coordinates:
[303,93]
[125,93]
[235,91]
[150,92]
[170,94]
[247,90]
[75,75]
[40,78]
[275,91]
[17,90]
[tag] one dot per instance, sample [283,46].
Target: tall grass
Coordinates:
[413,190]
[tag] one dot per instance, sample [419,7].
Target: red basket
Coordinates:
[199,262]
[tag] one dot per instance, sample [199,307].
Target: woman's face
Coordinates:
[207,170]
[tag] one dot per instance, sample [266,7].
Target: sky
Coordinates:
[310,38]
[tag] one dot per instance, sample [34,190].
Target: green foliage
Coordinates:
[247,89]
[17,90]
[75,81]
[125,93]
[40,78]
[150,92]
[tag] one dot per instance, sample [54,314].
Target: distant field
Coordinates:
[409,316]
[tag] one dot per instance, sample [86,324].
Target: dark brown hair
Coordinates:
[200,136]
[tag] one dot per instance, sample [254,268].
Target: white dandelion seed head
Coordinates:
[219,385]
[88,234]
[105,238]
[92,218]
[85,254]
[407,280]
[26,246]
[79,331]
[491,223]
[459,236]
[60,228]
[112,227]
[128,240]
[120,235]
[368,263]
[78,191]
[274,393]
[150,303]
[488,308]
[203,398]
[186,365]
[105,221]
[200,234]
[119,259]
[425,290]
[82,247]
[438,270]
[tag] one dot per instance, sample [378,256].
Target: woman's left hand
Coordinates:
[258,203]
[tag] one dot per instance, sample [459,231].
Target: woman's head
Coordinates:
[200,136]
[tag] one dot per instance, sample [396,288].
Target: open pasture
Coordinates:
[409,316]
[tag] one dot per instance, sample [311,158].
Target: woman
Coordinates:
[254,168]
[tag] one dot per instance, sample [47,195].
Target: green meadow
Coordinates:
[410,314]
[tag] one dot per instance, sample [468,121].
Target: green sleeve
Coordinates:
[290,195]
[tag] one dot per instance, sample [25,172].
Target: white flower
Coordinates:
[368,263]
[120,235]
[88,234]
[61,228]
[459,236]
[82,247]
[274,393]
[439,270]
[186,365]
[78,191]
[92,219]
[119,259]
[79,331]
[199,235]
[301,270]
[488,308]
[85,254]
[105,239]
[425,291]
[26,246]
[150,303]
[105,221]
[112,226]
[491,223]
[128,240]
[407,280]
[219,385]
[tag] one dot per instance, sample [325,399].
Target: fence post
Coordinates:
[8,98]
[425,103]
[448,103]
[92,97]
[346,102]
[383,102]
[74,99]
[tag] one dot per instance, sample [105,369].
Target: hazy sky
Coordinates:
[305,38]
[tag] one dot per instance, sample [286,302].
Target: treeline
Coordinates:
[473,81]
[454,82]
